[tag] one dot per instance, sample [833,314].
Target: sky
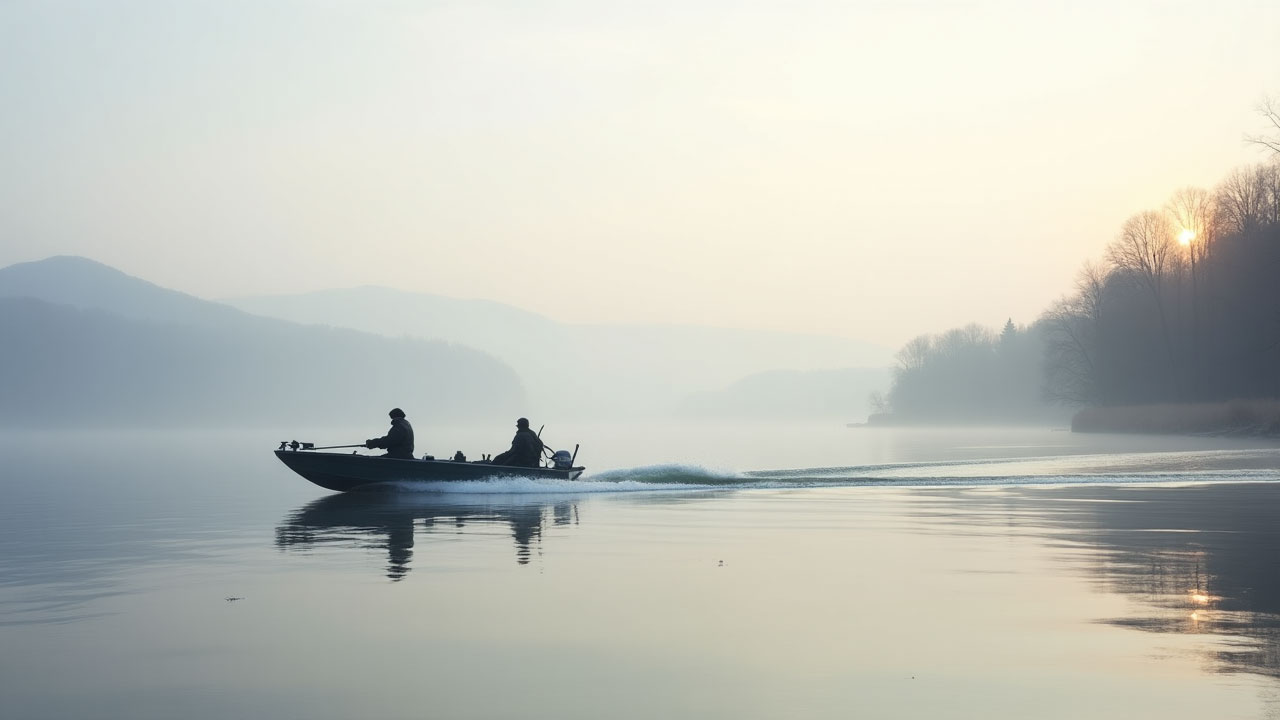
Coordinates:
[874,170]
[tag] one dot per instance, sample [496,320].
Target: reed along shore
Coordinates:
[1235,417]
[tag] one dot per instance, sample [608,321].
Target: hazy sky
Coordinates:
[867,169]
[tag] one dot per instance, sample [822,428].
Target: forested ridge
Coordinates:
[86,345]
[1183,307]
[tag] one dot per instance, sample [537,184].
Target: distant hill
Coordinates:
[82,343]
[89,285]
[583,370]
[789,394]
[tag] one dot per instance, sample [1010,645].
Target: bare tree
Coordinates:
[964,339]
[1091,282]
[1247,198]
[1192,210]
[1071,339]
[1269,109]
[915,353]
[1131,331]
[879,403]
[1070,375]
[1147,250]
[1269,185]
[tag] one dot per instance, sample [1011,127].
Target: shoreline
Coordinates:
[1233,418]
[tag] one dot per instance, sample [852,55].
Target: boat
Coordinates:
[341,472]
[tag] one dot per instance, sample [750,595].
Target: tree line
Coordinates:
[968,374]
[1184,306]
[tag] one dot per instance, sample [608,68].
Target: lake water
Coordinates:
[722,572]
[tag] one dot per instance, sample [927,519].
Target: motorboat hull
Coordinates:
[334,471]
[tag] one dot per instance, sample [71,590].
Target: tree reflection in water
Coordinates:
[1201,559]
[388,520]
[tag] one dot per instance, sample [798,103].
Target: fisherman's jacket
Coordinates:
[398,441]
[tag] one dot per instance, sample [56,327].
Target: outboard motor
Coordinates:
[562,460]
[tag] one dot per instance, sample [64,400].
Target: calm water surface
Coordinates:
[754,571]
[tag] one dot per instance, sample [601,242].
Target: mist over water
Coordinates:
[674,455]
[893,572]
[1197,467]
[729,256]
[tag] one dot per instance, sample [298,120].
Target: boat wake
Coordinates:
[643,479]
[1160,468]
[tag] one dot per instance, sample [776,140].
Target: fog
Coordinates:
[761,212]
[868,171]
[616,371]
[89,345]
[902,359]
[174,361]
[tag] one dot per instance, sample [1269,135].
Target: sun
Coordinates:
[1186,236]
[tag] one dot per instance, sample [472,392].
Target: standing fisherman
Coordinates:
[399,439]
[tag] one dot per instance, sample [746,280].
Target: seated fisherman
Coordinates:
[526,448]
[399,439]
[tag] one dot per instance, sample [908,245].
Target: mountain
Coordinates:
[601,371]
[89,285]
[84,344]
[788,394]
[394,312]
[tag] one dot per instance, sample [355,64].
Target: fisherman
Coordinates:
[399,439]
[526,448]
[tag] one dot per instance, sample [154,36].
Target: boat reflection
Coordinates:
[389,521]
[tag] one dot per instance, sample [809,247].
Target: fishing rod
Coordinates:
[295,446]
[548,453]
